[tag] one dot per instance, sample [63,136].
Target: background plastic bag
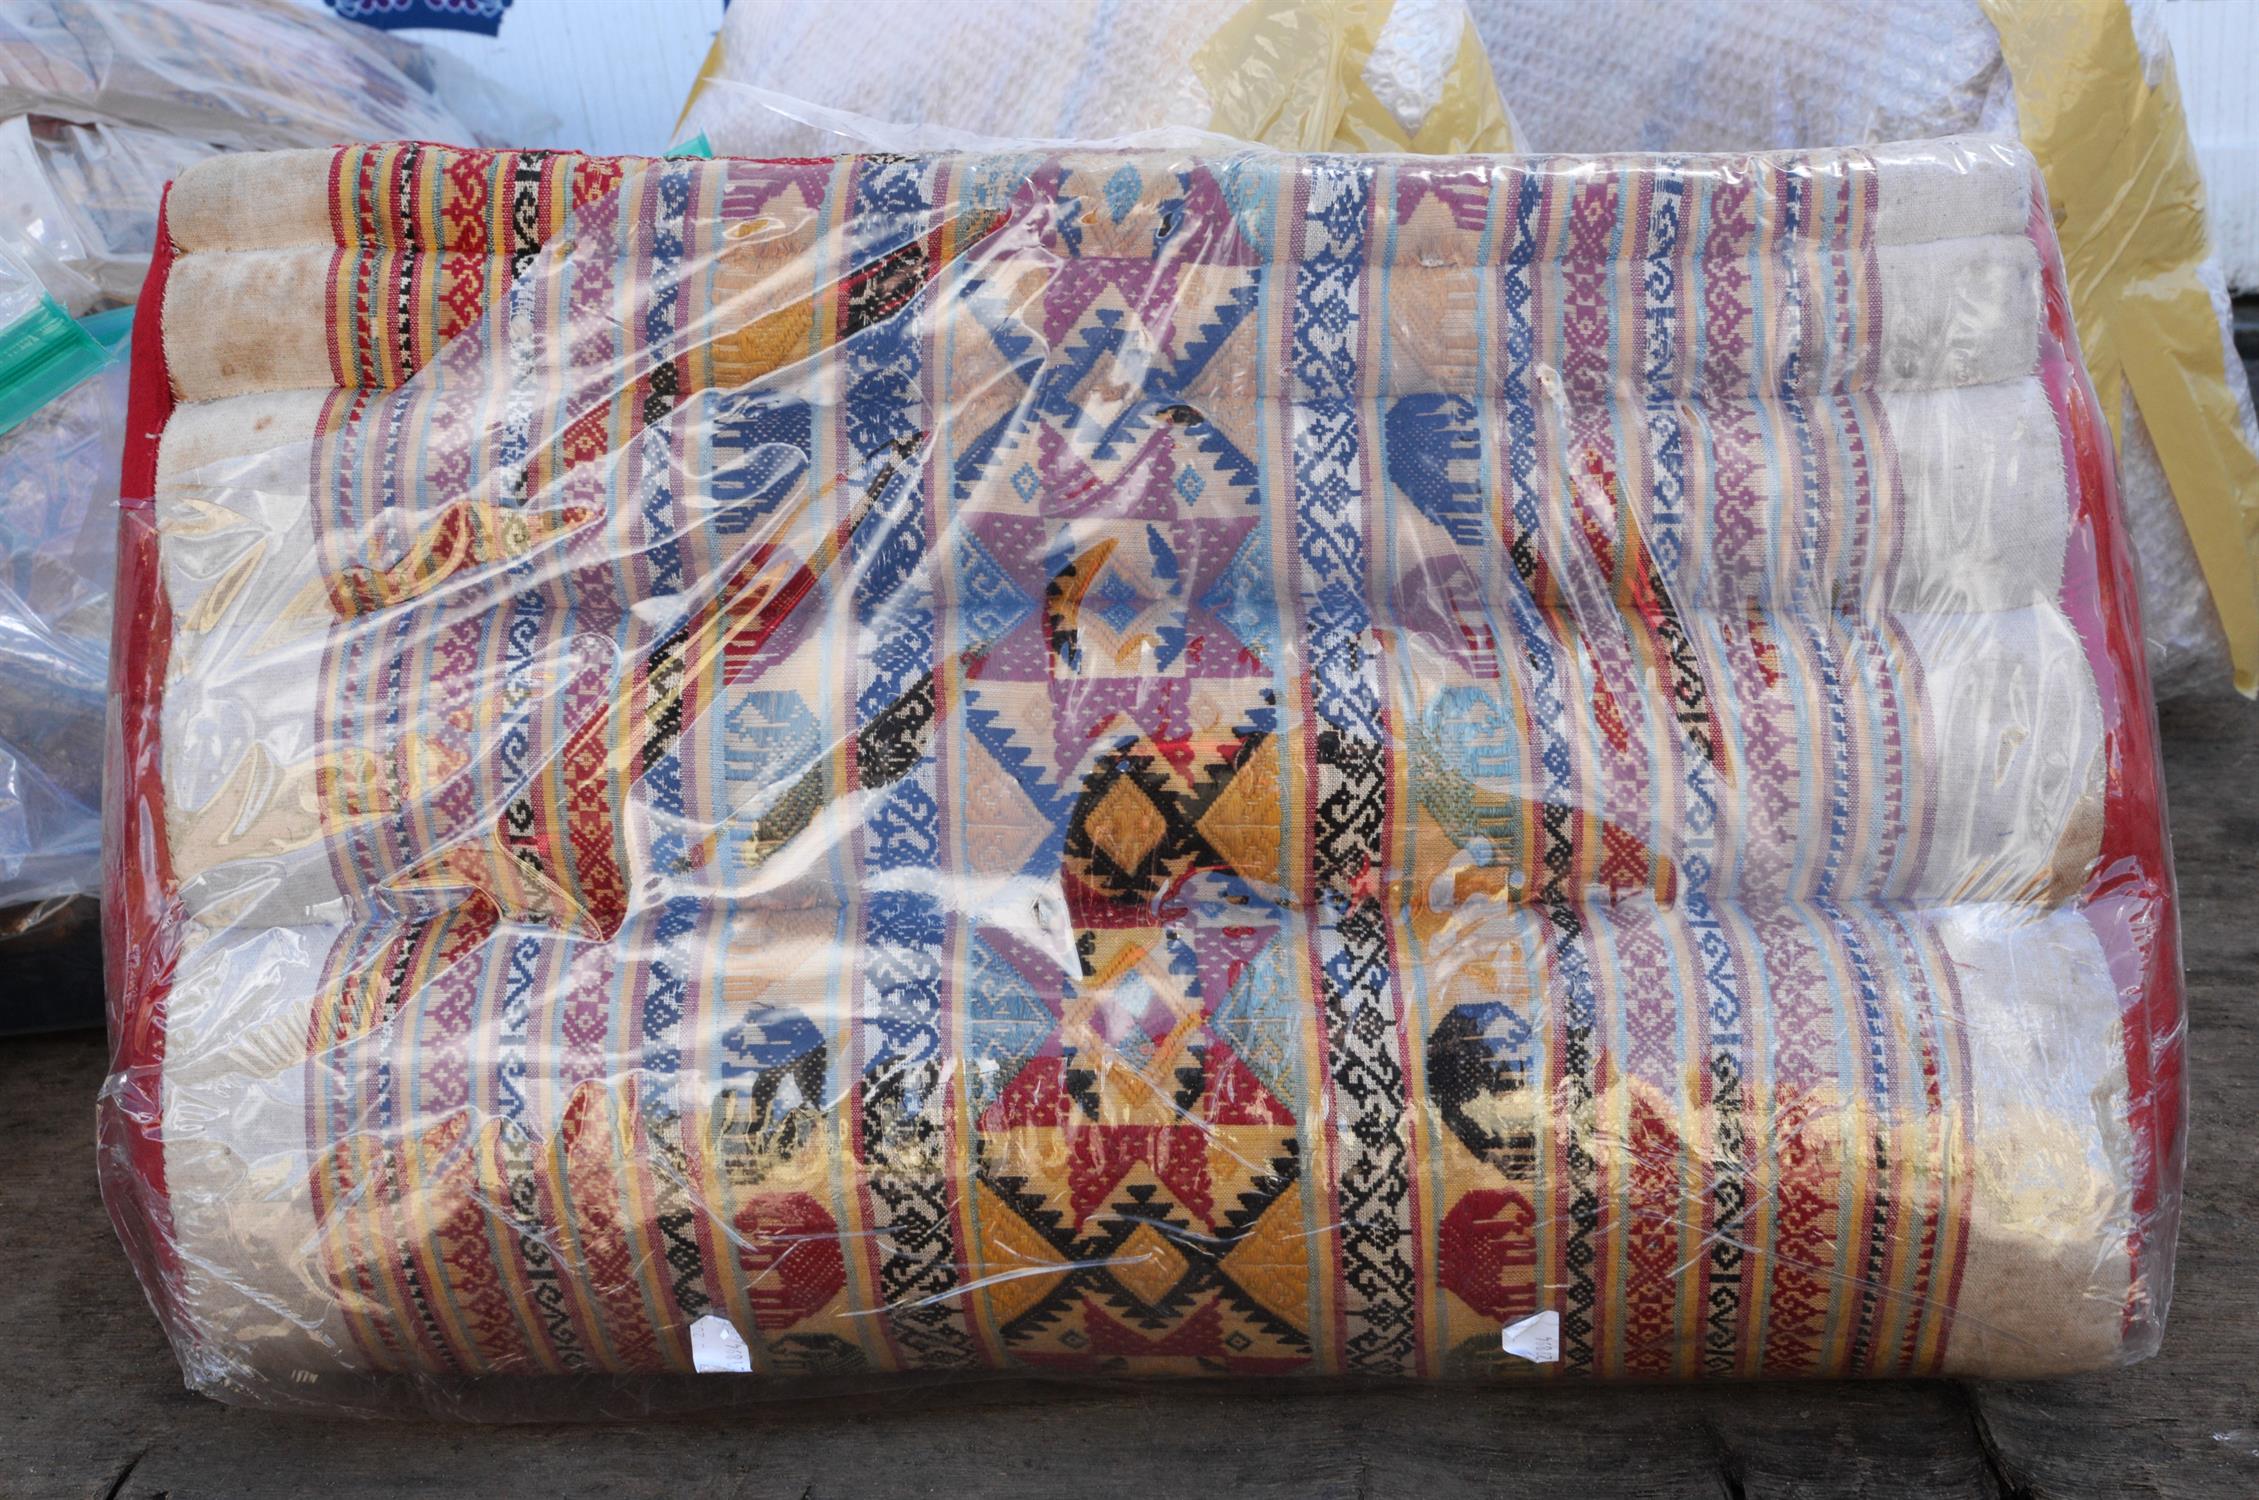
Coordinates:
[785,78]
[78,203]
[58,548]
[238,73]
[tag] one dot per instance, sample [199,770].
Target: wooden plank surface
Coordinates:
[94,1405]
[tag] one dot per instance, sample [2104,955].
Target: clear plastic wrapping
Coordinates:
[102,102]
[58,537]
[1105,763]
[78,203]
[239,73]
[1307,75]
[1688,76]
[2091,88]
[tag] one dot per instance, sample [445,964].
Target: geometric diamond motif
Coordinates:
[1116,602]
[1148,1265]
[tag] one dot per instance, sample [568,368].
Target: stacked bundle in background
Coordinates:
[1085,763]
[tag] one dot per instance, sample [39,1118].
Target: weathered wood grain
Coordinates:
[91,1404]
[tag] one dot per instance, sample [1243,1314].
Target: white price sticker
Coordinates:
[1536,1338]
[716,1347]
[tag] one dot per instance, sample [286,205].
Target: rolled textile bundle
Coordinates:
[1973,514]
[1962,756]
[1592,1116]
[1956,401]
[1124,763]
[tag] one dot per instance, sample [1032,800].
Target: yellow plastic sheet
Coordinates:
[1292,74]
[2129,209]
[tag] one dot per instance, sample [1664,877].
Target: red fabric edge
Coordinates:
[2129,899]
[140,915]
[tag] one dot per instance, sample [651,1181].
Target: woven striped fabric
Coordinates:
[1125,764]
